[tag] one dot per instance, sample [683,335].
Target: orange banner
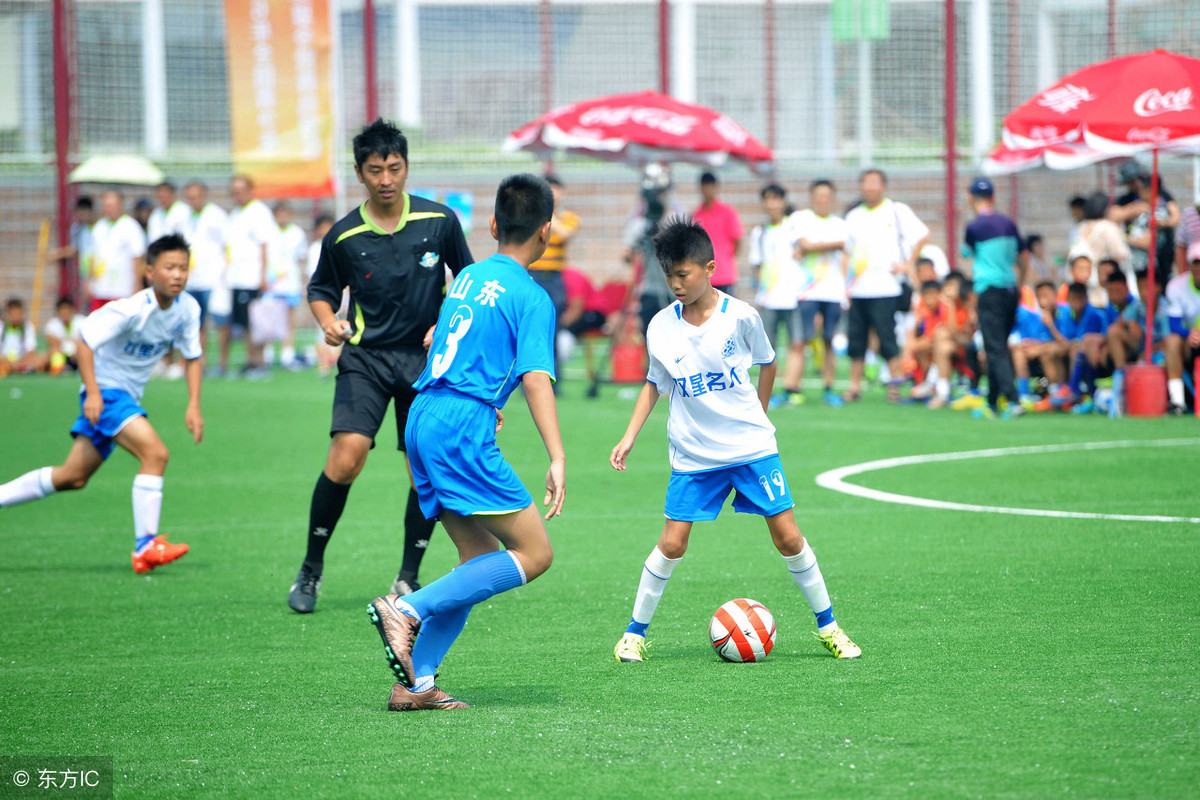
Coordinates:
[279,55]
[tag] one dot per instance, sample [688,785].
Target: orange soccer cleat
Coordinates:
[159,552]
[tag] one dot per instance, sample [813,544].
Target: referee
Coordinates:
[392,253]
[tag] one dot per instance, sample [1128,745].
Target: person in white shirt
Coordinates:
[773,255]
[883,239]
[118,253]
[821,239]
[205,230]
[169,215]
[18,341]
[62,332]
[288,253]
[119,346]
[248,236]
[326,356]
[701,350]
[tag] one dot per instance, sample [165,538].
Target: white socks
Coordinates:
[147,505]
[657,570]
[1174,391]
[31,486]
[807,574]
[942,388]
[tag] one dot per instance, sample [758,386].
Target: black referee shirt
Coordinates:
[397,280]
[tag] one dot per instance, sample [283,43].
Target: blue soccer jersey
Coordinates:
[1090,321]
[495,325]
[1031,326]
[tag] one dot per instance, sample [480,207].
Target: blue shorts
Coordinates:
[119,410]
[760,488]
[451,443]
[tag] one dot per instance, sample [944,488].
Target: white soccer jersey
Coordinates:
[131,335]
[878,239]
[287,250]
[67,335]
[824,276]
[205,231]
[716,419]
[1183,300]
[772,250]
[114,247]
[172,220]
[250,227]
[16,342]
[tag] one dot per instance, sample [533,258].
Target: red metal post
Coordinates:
[664,46]
[951,88]
[769,46]
[1152,251]
[371,87]
[68,278]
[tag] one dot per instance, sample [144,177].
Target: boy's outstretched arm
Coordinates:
[192,417]
[539,394]
[766,382]
[641,412]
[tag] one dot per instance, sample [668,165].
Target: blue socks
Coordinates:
[1081,374]
[433,642]
[470,583]
[1022,386]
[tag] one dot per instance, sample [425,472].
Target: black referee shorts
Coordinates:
[367,380]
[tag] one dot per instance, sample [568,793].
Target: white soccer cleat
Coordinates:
[838,643]
[632,647]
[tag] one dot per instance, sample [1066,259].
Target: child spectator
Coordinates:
[1183,309]
[1079,271]
[916,357]
[780,281]
[18,343]
[1036,341]
[62,335]
[1075,321]
[1127,337]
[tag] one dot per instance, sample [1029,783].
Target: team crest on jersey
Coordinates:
[729,350]
[430,260]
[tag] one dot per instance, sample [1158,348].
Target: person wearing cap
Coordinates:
[1183,314]
[1001,259]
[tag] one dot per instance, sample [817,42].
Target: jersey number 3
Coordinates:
[460,323]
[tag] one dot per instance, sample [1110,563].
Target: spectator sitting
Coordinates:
[1075,320]
[1035,342]
[954,341]
[1183,309]
[1039,269]
[1080,271]
[18,342]
[1095,346]
[916,357]
[1127,337]
[62,335]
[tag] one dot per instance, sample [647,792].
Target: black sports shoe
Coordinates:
[303,596]
[1175,411]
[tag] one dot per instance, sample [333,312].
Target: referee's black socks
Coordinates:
[328,501]
[417,531]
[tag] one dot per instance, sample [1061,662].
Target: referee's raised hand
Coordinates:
[337,332]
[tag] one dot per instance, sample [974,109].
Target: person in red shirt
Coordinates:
[724,226]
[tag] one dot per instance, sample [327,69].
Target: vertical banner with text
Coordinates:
[279,55]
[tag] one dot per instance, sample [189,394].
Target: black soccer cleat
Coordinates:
[303,596]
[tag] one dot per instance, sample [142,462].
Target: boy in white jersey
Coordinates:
[120,344]
[701,350]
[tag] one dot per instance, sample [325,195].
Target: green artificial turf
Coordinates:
[1003,656]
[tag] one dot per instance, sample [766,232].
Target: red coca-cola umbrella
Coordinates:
[1148,101]
[640,128]
[1005,160]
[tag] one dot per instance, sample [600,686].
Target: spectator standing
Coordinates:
[723,225]
[205,229]
[821,242]
[1103,240]
[1187,232]
[251,227]
[883,238]
[118,256]
[547,271]
[773,254]
[169,216]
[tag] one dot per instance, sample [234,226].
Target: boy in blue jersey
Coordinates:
[119,346]
[701,349]
[495,332]
[1076,320]
[1036,340]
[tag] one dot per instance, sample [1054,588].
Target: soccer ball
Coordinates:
[742,630]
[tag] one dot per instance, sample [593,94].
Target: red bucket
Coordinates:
[1145,390]
[628,363]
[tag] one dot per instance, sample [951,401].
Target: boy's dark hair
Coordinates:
[1095,206]
[64,301]
[873,171]
[524,203]
[324,218]
[14,302]
[380,138]
[554,180]
[930,286]
[773,189]
[923,260]
[1110,262]
[682,239]
[964,286]
[1144,275]
[1077,290]
[85,202]
[1076,201]
[818,183]
[166,244]
[1117,275]
[1032,239]
[707,178]
[166,185]
[1045,285]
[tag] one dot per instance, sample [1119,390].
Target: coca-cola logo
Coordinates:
[1153,102]
[1148,135]
[660,119]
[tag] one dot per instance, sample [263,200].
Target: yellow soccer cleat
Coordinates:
[838,643]
[631,648]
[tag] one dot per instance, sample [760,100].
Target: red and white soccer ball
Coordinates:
[742,630]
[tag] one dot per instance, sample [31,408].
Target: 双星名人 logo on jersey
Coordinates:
[430,260]
[1153,102]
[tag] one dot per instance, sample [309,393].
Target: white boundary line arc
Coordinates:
[834,479]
